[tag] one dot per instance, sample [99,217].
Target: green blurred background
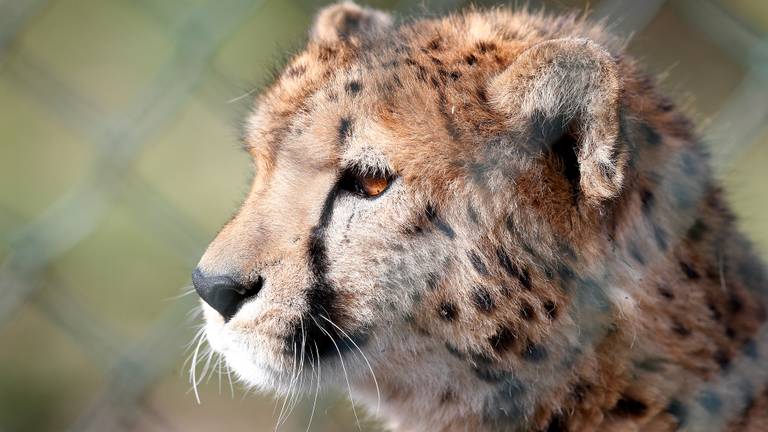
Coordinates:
[119,161]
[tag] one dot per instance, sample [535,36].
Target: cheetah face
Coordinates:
[394,170]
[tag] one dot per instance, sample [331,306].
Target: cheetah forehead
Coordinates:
[389,75]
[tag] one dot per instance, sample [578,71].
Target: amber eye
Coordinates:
[373,186]
[369,185]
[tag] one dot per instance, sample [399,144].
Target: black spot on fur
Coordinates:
[666,293]
[661,237]
[629,407]
[452,350]
[680,329]
[665,104]
[510,224]
[735,305]
[422,73]
[490,375]
[715,312]
[527,312]
[647,200]
[470,59]
[652,137]
[482,96]
[750,349]
[455,75]
[482,299]
[345,128]
[579,391]
[525,279]
[710,401]
[696,231]
[534,353]
[679,411]
[567,251]
[480,358]
[447,396]
[550,308]
[326,53]
[730,333]
[502,340]
[485,46]
[443,227]
[548,272]
[529,250]
[723,359]
[566,275]
[353,87]
[478,263]
[412,231]
[689,271]
[506,263]
[634,251]
[443,75]
[434,44]
[448,311]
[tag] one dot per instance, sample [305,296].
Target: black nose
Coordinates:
[223,293]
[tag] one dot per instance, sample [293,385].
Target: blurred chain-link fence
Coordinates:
[118,163]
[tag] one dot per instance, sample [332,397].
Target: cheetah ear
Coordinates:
[568,88]
[346,21]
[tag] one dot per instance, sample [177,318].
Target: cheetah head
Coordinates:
[419,194]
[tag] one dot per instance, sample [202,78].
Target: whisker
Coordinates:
[207,372]
[343,368]
[218,369]
[365,358]
[193,370]
[245,95]
[317,389]
[188,290]
[283,416]
[300,373]
[229,378]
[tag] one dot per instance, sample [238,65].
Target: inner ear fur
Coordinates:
[568,87]
[348,21]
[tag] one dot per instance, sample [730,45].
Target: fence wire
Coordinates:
[134,366]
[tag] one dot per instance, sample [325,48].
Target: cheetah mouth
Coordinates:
[299,358]
[254,358]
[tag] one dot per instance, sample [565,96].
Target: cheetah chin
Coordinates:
[490,221]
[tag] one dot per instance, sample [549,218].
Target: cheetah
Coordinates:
[490,221]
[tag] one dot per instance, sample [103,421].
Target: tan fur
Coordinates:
[553,254]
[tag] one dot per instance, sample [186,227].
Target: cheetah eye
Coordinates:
[365,184]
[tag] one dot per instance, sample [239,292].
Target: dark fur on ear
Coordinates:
[347,21]
[571,85]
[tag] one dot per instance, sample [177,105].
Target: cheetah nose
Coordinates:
[224,293]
